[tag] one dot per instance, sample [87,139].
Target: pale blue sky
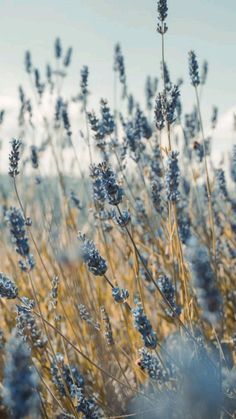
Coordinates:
[92,27]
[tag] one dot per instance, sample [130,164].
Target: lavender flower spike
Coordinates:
[20,380]
[204,280]
[14,158]
[162,10]
[96,264]
[193,69]
[143,325]
[172,177]
[8,288]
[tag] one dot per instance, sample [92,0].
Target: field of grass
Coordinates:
[117,289]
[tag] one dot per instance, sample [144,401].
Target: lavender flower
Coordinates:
[150,91]
[107,118]
[159,116]
[54,291]
[105,184]
[99,131]
[2,114]
[67,59]
[17,225]
[84,81]
[204,72]
[87,406]
[120,295]
[86,316]
[204,280]
[21,95]
[58,109]
[123,219]
[69,380]
[184,221]
[214,117]
[166,105]
[162,10]
[58,48]
[96,264]
[192,126]
[132,140]
[199,150]
[65,119]
[8,288]
[38,84]
[49,75]
[168,290]
[193,69]
[20,381]
[108,329]
[221,183]
[75,200]
[14,158]
[34,157]
[99,192]
[130,104]
[26,326]
[156,163]
[156,189]
[166,77]
[172,104]
[65,377]
[142,127]
[143,325]
[172,177]
[102,127]
[119,67]
[141,214]
[28,62]
[151,364]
